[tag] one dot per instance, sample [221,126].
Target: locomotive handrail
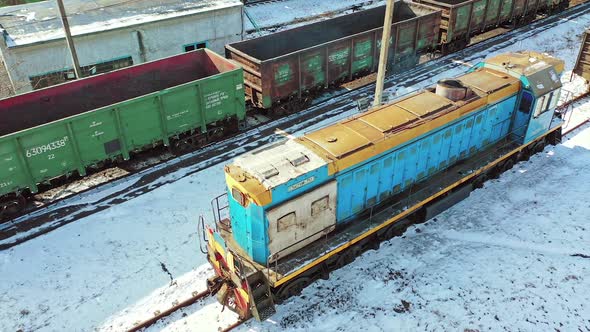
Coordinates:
[201,233]
[217,209]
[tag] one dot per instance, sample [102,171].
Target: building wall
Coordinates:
[145,42]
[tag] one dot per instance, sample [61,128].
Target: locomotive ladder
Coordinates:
[261,301]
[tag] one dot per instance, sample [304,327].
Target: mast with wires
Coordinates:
[69,40]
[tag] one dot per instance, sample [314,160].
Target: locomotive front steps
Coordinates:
[261,301]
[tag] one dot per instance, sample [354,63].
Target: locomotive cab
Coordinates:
[541,87]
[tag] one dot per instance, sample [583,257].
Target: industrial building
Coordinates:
[109,34]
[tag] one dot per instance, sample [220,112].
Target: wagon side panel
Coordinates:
[95,136]
[14,173]
[49,151]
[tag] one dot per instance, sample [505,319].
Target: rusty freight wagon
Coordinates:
[582,66]
[284,67]
[64,129]
[462,19]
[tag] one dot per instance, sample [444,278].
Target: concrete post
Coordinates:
[64,21]
[384,52]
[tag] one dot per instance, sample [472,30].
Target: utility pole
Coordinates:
[384,52]
[69,40]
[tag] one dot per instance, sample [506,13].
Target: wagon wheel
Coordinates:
[217,133]
[12,206]
[293,289]
[201,141]
[180,147]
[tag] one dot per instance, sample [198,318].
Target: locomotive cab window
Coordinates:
[543,103]
[525,102]
[238,196]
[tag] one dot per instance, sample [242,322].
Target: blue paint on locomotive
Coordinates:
[390,173]
[378,178]
[374,180]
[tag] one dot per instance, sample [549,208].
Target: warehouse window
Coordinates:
[61,76]
[320,205]
[286,221]
[195,46]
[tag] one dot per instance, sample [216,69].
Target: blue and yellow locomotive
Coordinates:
[303,207]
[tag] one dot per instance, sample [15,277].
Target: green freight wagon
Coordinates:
[54,132]
[462,19]
[284,67]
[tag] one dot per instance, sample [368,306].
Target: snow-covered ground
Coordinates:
[105,271]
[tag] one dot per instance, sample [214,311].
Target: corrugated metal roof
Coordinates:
[339,140]
[39,22]
[526,62]
[278,163]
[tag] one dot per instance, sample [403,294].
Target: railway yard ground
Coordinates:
[515,255]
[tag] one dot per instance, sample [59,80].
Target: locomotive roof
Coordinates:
[396,120]
[541,70]
[276,164]
[526,63]
[353,141]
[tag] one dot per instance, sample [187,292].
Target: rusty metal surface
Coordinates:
[338,140]
[487,81]
[387,118]
[424,103]
[295,62]
[582,67]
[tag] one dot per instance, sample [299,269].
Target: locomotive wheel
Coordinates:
[292,289]
[523,155]
[12,206]
[508,164]
[539,146]
[479,181]
[389,233]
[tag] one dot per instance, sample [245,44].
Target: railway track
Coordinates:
[259,2]
[190,301]
[331,105]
